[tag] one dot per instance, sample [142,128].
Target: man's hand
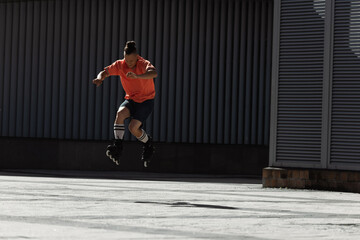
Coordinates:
[100,78]
[131,75]
[97,82]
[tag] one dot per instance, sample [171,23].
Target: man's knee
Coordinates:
[134,127]
[122,114]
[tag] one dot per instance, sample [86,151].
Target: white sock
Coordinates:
[119,130]
[144,137]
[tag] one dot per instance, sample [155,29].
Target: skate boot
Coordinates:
[148,151]
[114,151]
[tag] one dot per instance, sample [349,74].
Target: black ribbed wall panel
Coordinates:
[213,59]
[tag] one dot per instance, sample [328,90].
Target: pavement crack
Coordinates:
[187,204]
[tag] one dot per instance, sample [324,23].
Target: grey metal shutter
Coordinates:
[345,113]
[297,83]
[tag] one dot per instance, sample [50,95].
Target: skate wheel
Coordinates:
[108,153]
[116,162]
[146,164]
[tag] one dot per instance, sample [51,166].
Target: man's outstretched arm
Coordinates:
[150,74]
[100,78]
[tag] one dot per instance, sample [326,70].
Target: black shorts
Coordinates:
[139,111]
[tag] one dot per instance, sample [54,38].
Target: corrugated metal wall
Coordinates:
[213,59]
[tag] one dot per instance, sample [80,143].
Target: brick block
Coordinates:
[309,183]
[300,183]
[282,183]
[332,184]
[269,182]
[354,177]
[314,175]
[304,174]
[295,174]
[330,175]
[343,176]
[267,173]
[323,184]
[297,183]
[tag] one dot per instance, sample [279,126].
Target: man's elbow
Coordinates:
[154,73]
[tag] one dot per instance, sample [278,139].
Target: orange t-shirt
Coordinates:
[138,90]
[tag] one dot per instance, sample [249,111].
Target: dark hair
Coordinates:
[130,47]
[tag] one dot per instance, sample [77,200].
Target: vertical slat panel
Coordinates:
[20,71]
[221,78]
[56,73]
[165,71]
[122,39]
[70,68]
[34,107]
[106,42]
[241,90]
[148,46]
[2,64]
[113,93]
[158,55]
[248,75]
[180,71]
[100,49]
[42,66]
[92,98]
[185,112]
[235,74]
[198,50]
[262,61]
[269,38]
[14,71]
[78,80]
[152,21]
[137,16]
[212,98]
[63,81]
[211,57]
[7,72]
[255,75]
[205,91]
[226,125]
[173,18]
[195,53]
[85,73]
[49,67]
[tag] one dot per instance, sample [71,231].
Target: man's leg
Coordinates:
[119,127]
[141,135]
[137,131]
[114,151]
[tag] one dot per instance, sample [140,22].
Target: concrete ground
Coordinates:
[114,205]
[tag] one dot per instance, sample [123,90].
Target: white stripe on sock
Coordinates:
[144,137]
[119,130]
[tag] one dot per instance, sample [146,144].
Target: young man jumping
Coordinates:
[136,75]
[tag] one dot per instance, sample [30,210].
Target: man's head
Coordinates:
[130,54]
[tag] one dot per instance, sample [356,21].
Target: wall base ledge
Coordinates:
[319,179]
